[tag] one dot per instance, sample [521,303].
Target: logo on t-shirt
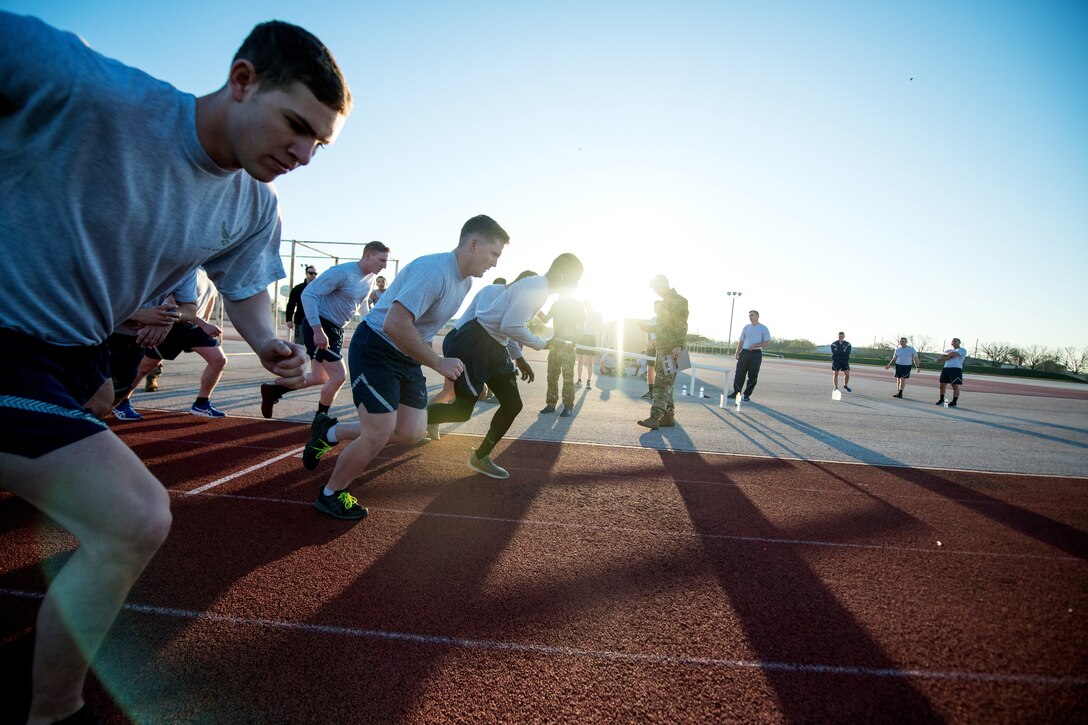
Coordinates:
[226,236]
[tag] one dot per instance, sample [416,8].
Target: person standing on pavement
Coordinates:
[903,357]
[567,316]
[952,372]
[294,315]
[753,338]
[591,331]
[672,333]
[840,360]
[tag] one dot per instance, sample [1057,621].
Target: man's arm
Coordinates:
[252,318]
[400,325]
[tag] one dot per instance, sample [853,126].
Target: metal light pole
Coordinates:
[733,301]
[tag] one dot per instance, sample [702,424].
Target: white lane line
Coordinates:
[243,472]
[944,550]
[560,651]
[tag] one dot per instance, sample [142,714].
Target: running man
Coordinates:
[329,303]
[191,333]
[952,372]
[385,358]
[903,357]
[187,184]
[840,360]
[490,347]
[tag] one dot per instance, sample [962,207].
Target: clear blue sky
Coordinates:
[779,149]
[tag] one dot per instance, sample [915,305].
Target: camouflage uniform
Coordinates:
[672,332]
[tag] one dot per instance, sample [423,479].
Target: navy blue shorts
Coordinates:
[183,337]
[382,377]
[952,375]
[43,389]
[840,364]
[481,355]
[902,371]
[335,333]
[125,357]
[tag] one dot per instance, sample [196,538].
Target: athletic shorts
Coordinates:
[335,333]
[43,389]
[588,341]
[382,377]
[481,355]
[902,371]
[125,357]
[183,337]
[952,375]
[840,365]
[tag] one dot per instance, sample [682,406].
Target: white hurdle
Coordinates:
[692,371]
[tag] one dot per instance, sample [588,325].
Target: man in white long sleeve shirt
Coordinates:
[329,303]
[490,347]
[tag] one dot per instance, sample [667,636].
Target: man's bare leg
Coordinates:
[120,514]
[373,432]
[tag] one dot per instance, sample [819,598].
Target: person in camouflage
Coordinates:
[672,331]
[567,316]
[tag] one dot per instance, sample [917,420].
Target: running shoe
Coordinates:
[318,445]
[847,388]
[486,466]
[125,411]
[268,398]
[952,404]
[341,505]
[206,410]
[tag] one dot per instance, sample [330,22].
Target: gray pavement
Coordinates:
[791,415]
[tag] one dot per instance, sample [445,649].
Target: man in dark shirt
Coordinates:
[567,316]
[840,360]
[293,315]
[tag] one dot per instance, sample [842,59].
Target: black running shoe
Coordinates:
[269,397]
[341,505]
[318,445]
[952,404]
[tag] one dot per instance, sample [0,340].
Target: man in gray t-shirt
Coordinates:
[385,358]
[329,303]
[115,185]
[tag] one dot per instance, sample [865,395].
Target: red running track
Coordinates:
[597,584]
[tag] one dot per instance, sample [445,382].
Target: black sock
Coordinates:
[201,401]
[279,390]
[322,408]
[955,398]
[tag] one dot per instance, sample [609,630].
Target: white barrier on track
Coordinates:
[692,371]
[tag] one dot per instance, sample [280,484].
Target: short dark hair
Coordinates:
[841,332]
[754,312]
[483,226]
[374,248]
[569,265]
[282,53]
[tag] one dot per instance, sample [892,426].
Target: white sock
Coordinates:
[326,492]
[330,435]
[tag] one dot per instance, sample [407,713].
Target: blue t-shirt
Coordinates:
[108,195]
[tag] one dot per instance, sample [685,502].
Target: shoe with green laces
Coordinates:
[318,445]
[341,505]
[485,466]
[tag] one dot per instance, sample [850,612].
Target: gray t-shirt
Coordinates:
[336,295]
[431,288]
[107,194]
